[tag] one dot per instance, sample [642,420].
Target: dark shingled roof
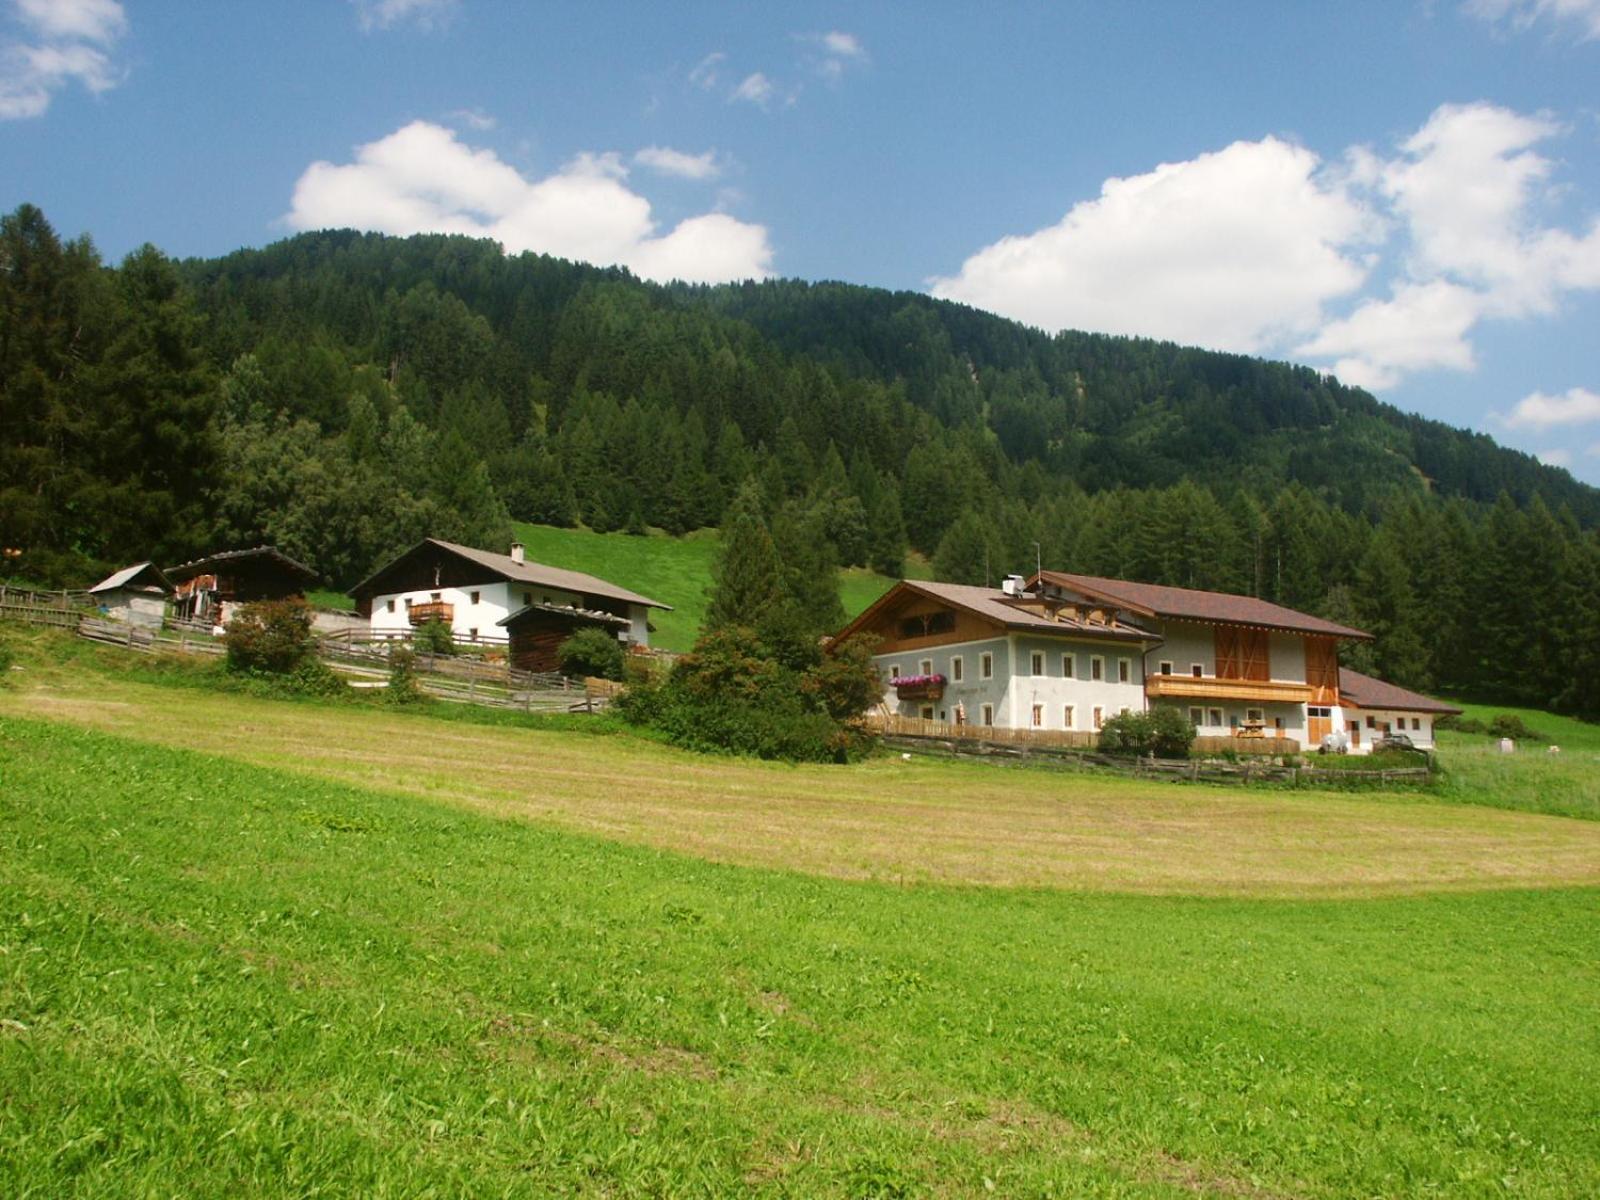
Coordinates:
[1364,691]
[509,568]
[209,564]
[1191,604]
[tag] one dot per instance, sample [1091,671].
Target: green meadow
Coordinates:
[289,948]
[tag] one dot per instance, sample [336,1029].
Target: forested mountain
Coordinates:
[342,394]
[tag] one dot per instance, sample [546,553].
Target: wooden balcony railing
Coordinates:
[1190,687]
[432,610]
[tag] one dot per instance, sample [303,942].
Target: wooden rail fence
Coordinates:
[1246,770]
[894,725]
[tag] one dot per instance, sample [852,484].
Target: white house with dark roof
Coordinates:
[498,598]
[1063,652]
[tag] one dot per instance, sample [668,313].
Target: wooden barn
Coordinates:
[208,588]
[136,594]
[536,632]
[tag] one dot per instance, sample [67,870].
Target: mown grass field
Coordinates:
[272,948]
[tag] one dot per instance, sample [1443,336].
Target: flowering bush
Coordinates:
[902,681]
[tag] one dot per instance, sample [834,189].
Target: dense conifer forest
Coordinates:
[341,395]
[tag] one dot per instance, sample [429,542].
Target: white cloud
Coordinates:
[1467,189]
[1255,248]
[1555,458]
[100,21]
[421,178]
[1235,250]
[835,51]
[704,73]
[474,118]
[1577,406]
[1523,14]
[426,15]
[69,44]
[755,88]
[675,162]
[1421,326]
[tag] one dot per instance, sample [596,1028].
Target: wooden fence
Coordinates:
[894,725]
[1247,770]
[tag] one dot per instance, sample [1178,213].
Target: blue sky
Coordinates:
[1408,195]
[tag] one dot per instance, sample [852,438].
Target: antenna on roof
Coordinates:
[1038,561]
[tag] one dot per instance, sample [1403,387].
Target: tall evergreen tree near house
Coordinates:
[747,580]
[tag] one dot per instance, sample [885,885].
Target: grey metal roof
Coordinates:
[126,577]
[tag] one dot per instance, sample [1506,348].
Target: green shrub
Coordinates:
[1461,724]
[434,637]
[592,651]
[272,637]
[731,695]
[403,688]
[1163,731]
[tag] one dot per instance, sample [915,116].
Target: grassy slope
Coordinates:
[277,985]
[1567,784]
[675,571]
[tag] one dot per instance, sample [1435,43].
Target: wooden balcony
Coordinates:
[1208,687]
[432,610]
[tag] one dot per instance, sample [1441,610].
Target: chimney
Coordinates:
[517,555]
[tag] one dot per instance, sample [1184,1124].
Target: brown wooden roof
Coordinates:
[1192,604]
[1363,691]
[995,606]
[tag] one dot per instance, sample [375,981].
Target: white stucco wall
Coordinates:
[496,601]
[972,691]
[1185,645]
[1055,690]
[1398,722]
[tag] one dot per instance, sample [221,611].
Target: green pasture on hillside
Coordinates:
[675,571]
[226,978]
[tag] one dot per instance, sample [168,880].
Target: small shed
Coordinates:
[136,594]
[208,588]
[536,632]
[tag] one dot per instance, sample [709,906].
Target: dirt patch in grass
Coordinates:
[885,820]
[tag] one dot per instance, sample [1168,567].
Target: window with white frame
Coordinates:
[1197,717]
[986,669]
[1099,716]
[1069,667]
[894,670]
[1038,716]
[1124,670]
[1254,716]
[1166,667]
[926,666]
[390,605]
[988,714]
[1069,718]
[1197,669]
[957,668]
[1097,670]
[1216,717]
[1036,663]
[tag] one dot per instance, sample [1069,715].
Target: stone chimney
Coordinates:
[517,555]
